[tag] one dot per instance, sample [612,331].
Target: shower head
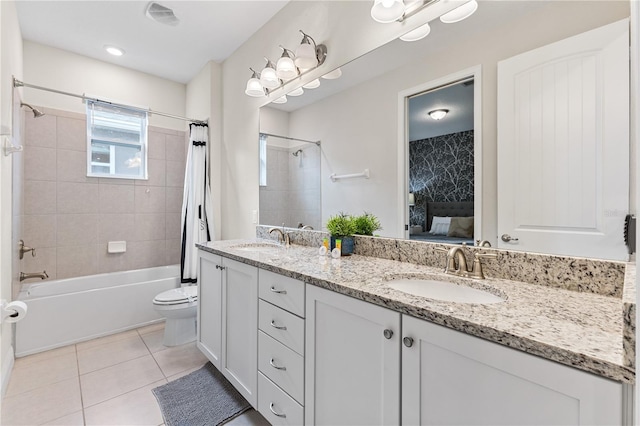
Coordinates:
[295,154]
[36,112]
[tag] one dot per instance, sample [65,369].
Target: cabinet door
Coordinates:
[240,327]
[209,339]
[352,371]
[450,377]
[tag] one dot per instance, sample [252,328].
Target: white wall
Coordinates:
[10,64]
[358,128]
[204,101]
[275,122]
[62,70]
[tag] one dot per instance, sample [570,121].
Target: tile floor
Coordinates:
[105,381]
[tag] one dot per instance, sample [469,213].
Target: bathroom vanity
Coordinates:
[314,340]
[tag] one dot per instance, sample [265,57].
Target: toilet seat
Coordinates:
[177,296]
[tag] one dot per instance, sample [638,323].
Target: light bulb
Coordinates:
[306,56]
[438,114]
[268,76]
[385,11]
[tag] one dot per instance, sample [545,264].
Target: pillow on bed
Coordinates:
[461,227]
[440,225]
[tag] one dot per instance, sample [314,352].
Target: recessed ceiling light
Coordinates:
[115,51]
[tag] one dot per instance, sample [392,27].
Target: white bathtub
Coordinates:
[68,311]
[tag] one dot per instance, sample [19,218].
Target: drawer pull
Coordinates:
[279,327]
[277,367]
[275,412]
[273,289]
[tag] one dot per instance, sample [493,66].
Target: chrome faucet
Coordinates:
[29,275]
[283,236]
[483,243]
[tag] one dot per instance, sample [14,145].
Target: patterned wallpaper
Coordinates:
[440,169]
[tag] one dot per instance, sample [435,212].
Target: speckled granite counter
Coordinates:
[579,329]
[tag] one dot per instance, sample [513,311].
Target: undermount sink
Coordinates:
[258,247]
[443,291]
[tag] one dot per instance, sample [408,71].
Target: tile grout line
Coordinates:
[153,357]
[84,420]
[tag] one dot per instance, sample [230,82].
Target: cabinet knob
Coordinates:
[277,367]
[276,413]
[220,267]
[408,341]
[388,334]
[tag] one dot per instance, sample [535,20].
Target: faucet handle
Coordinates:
[476,271]
[442,250]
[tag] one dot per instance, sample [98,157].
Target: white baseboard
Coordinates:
[7,367]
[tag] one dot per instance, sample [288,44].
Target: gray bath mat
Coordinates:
[204,397]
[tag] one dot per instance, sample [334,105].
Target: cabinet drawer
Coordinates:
[283,326]
[276,406]
[282,291]
[282,365]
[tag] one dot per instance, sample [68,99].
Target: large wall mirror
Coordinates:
[358,121]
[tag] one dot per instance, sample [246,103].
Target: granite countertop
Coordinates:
[579,329]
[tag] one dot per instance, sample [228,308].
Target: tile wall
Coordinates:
[69,217]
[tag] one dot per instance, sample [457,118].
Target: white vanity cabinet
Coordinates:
[449,377]
[352,361]
[281,349]
[227,319]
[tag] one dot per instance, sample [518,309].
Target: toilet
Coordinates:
[179,307]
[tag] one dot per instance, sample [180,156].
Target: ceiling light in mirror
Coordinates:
[268,76]
[281,100]
[438,114]
[417,34]
[296,92]
[333,74]
[254,87]
[113,50]
[385,11]
[312,84]
[460,13]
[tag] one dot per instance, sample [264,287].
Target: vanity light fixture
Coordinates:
[387,11]
[296,92]
[460,12]
[438,114]
[281,100]
[113,50]
[254,87]
[290,66]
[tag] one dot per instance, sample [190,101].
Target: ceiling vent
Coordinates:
[162,14]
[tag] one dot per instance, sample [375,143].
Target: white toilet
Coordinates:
[179,307]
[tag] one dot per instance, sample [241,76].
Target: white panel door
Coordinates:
[352,366]
[451,378]
[209,339]
[240,327]
[563,146]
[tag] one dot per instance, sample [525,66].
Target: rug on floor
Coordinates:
[204,397]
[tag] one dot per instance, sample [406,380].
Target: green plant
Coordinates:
[366,224]
[341,225]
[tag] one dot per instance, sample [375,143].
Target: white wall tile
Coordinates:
[149,226]
[76,229]
[76,261]
[39,163]
[71,134]
[77,198]
[39,231]
[150,199]
[115,227]
[116,198]
[40,131]
[39,197]
[156,145]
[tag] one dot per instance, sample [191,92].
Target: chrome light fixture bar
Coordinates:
[289,67]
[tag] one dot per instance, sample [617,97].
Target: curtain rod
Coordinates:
[18,83]
[291,139]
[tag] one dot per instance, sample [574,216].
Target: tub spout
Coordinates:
[28,275]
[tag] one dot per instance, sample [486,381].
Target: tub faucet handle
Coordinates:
[24,249]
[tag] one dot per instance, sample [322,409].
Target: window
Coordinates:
[263,160]
[116,141]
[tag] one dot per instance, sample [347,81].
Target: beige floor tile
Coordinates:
[179,358]
[138,407]
[65,350]
[106,339]
[43,404]
[151,328]
[32,375]
[249,418]
[97,357]
[75,419]
[102,385]
[153,341]
[183,373]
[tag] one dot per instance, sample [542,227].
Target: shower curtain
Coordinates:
[197,212]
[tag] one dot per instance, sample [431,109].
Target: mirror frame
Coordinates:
[474,72]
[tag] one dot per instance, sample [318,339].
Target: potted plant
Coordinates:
[366,224]
[341,227]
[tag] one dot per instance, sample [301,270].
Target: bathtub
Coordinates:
[67,311]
